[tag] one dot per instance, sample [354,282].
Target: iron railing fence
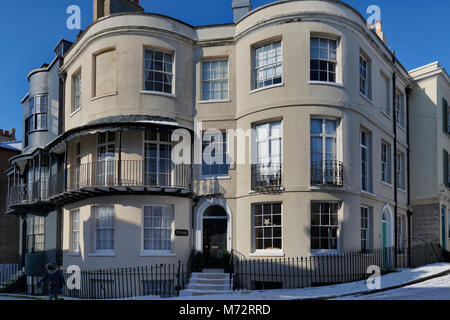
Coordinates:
[164,280]
[28,192]
[303,272]
[267,176]
[9,273]
[327,173]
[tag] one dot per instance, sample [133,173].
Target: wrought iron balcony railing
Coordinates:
[267,176]
[330,172]
[129,173]
[105,176]
[28,193]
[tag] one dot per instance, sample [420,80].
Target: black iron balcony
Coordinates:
[328,173]
[267,177]
[120,177]
[28,193]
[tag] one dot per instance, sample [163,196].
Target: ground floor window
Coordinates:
[104,228]
[158,228]
[324,225]
[75,224]
[400,220]
[364,228]
[35,234]
[267,222]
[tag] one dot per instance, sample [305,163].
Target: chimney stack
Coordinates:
[240,9]
[379,31]
[103,8]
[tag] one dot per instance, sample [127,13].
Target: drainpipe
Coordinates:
[394,120]
[408,93]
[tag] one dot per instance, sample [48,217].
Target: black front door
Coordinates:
[214,241]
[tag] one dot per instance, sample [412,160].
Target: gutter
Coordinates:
[409,212]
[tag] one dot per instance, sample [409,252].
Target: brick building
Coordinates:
[9,224]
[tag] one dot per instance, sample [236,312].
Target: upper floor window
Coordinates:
[158,163]
[400,170]
[158,70]
[37,114]
[387,94]
[366,160]
[445,116]
[400,109]
[215,79]
[35,234]
[215,145]
[76,92]
[364,77]
[268,143]
[323,59]
[268,64]
[385,162]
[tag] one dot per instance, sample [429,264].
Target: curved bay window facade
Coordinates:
[292,90]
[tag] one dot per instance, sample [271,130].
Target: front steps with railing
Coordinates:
[208,282]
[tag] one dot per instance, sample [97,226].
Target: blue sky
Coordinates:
[29,29]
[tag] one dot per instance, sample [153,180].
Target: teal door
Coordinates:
[443,226]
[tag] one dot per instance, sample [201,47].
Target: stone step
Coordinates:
[211,270]
[209,281]
[210,275]
[196,292]
[210,287]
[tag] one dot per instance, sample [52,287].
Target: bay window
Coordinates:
[268,64]
[267,226]
[104,228]
[158,228]
[324,225]
[158,71]
[37,114]
[323,59]
[157,158]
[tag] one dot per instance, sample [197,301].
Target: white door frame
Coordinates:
[199,222]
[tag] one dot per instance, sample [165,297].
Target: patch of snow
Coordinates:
[433,289]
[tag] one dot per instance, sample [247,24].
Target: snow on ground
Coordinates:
[404,276]
[433,289]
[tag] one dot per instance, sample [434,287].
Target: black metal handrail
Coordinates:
[328,172]
[267,176]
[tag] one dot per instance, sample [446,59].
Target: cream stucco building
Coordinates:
[305,92]
[312,80]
